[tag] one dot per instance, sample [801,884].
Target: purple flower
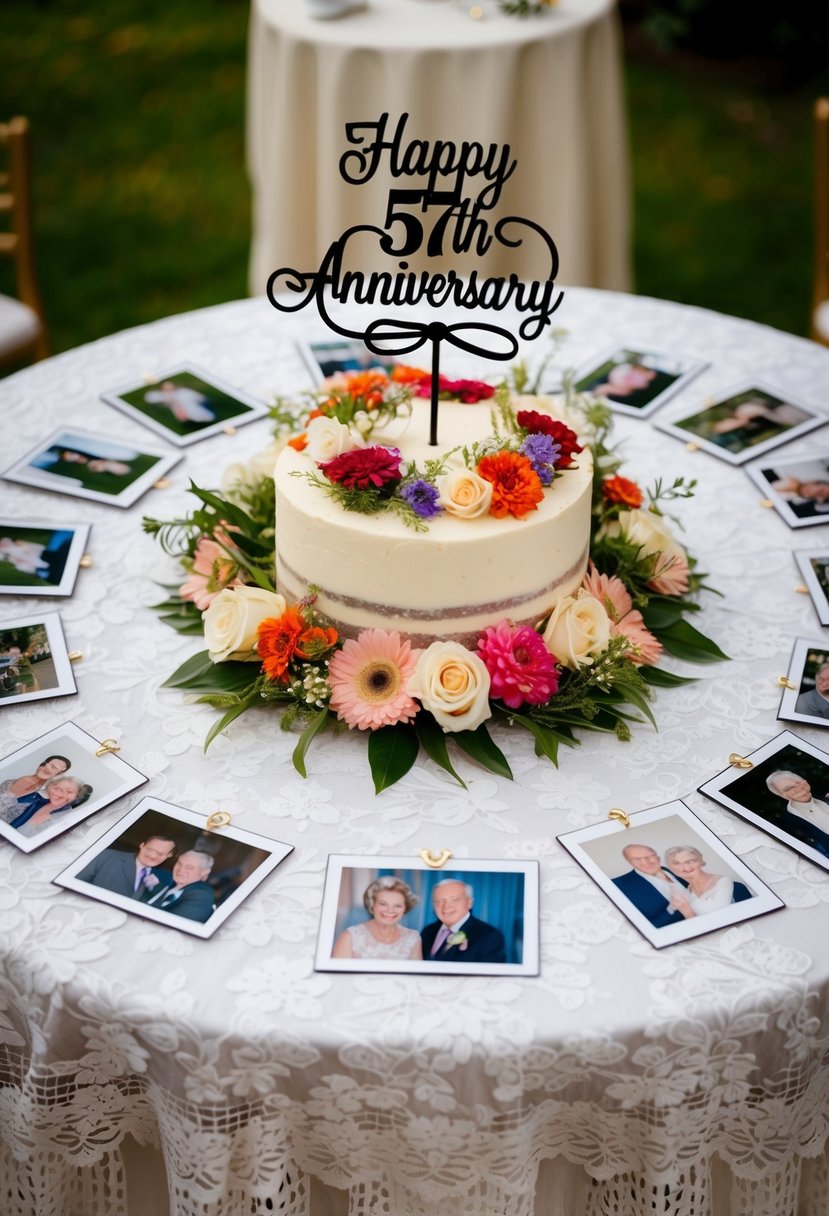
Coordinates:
[422,497]
[542,453]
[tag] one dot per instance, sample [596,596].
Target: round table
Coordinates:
[690,1081]
[549,86]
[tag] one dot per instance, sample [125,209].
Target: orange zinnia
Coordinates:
[402,374]
[516,487]
[315,641]
[622,491]
[278,637]
[367,387]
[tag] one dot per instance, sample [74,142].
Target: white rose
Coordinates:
[328,438]
[645,529]
[453,684]
[240,476]
[464,493]
[578,629]
[231,621]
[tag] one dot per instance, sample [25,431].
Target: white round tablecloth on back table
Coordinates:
[549,86]
[633,1077]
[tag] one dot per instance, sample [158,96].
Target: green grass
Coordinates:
[143,206]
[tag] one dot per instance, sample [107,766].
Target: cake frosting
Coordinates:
[451,581]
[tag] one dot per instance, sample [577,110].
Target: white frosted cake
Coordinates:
[449,581]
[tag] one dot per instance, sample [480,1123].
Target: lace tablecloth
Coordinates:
[692,1080]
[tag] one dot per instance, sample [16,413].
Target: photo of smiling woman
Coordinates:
[387,900]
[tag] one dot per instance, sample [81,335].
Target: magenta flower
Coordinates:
[521,668]
[364,468]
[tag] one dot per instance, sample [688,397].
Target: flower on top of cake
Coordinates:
[503,474]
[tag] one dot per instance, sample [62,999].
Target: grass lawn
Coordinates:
[143,206]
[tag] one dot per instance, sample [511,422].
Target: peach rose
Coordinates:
[464,493]
[578,629]
[453,684]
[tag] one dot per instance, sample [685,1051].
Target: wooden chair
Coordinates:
[22,323]
[820,290]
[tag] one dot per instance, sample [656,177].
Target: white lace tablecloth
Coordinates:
[693,1080]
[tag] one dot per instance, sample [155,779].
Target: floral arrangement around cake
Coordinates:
[590,664]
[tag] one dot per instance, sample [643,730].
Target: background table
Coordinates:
[549,86]
[628,1077]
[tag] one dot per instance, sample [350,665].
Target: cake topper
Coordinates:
[463,183]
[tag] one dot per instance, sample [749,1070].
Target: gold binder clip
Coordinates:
[229,430]
[162,483]
[219,819]
[802,589]
[85,562]
[785,682]
[476,12]
[766,502]
[435,860]
[739,761]
[108,745]
[148,378]
[620,816]
[75,656]
[690,446]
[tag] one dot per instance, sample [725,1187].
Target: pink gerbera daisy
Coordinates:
[670,576]
[368,679]
[626,620]
[521,668]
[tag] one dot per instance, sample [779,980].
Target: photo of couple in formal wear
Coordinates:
[798,488]
[39,560]
[785,792]
[165,863]
[57,781]
[744,423]
[636,382]
[185,404]
[669,874]
[401,916]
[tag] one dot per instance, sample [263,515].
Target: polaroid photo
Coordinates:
[39,559]
[186,404]
[669,874]
[57,781]
[814,566]
[808,698]
[327,356]
[34,661]
[744,423]
[636,382]
[784,793]
[162,862]
[797,487]
[396,914]
[91,466]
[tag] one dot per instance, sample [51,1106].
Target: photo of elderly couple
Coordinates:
[400,916]
[669,874]
[164,863]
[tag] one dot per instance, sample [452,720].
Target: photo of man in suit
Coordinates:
[132,874]
[650,886]
[187,893]
[457,936]
[815,702]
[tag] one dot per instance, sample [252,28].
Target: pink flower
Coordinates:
[212,572]
[625,619]
[364,468]
[368,679]
[521,668]
[670,575]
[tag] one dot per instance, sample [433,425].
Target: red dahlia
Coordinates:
[543,424]
[364,468]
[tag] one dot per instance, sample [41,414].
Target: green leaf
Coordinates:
[664,679]
[228,511]
[479,745]
[200,674]
[175,601]
[227,718]
[546,738]
[433,742]
[315,727]
[392,750]
[183,622]
[637,698]
[685,642]
[661,614]
[193,668]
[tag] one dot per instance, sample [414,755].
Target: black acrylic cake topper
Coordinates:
[459,227]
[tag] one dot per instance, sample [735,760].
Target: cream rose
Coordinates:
[240,476]
[578,629]
[464,493]
[231,621]
[453,684]
[328,438]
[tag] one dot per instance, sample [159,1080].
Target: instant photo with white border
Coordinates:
[249,408]
[744,791]
[107,777]
[99,447]
[343,907]
[58,655]
[808,421]
[325,357]
[171,818]
[808,701]
[661,897]
[785,492]
[23,555]
[806,560]
[681,370]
